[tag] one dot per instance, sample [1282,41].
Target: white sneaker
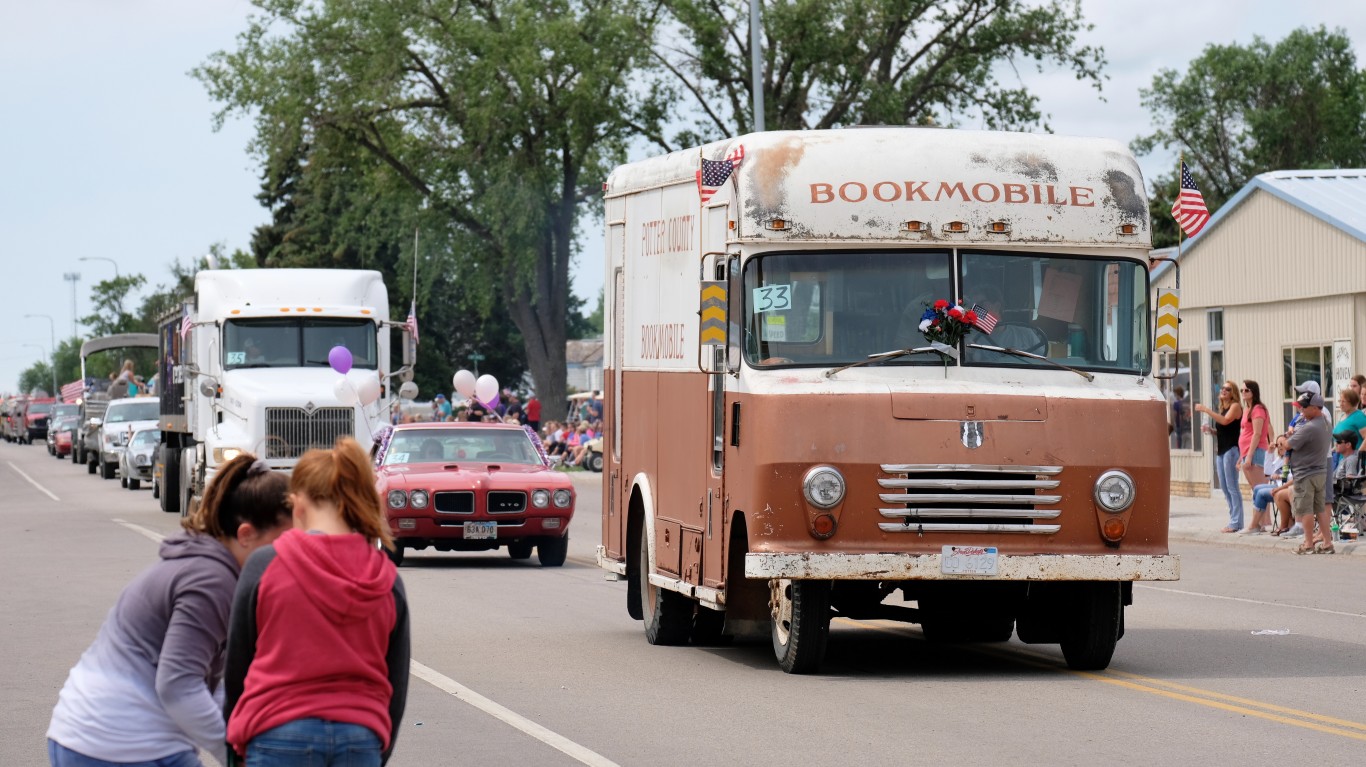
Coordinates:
[1294,532]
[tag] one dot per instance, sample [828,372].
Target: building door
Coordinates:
[1216,380]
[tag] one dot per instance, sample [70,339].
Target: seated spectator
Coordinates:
[579,444]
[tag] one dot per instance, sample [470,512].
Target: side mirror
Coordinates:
[95,423]
[408,391]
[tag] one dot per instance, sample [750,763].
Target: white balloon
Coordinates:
[486,388]
[369,389]
[346,393]
[463,383]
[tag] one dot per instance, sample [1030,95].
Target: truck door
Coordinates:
[714,504]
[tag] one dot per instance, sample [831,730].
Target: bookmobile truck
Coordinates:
[784,445]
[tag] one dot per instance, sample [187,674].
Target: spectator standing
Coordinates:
[1252,445]
[444,411]
[1227,429]
[514,409]
[475,411]
[1306,449]
[1353,419]
[595,407]
[143,693]
[533,413]
[1357,382]
[318,648]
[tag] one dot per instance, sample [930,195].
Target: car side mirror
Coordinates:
[95,423]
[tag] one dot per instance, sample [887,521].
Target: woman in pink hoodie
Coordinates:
[318,644]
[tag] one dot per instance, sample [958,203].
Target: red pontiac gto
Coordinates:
[473,487]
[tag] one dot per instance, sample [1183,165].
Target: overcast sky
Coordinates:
[109,150]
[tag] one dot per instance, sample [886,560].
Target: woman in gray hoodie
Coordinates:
[147,691]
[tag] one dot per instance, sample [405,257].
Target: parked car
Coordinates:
[135,460]
[473,487]
[59,413]
[62,435]
[36,417]
[122,419]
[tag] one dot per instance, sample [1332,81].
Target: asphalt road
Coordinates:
[1255,657]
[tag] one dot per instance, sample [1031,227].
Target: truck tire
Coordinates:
[170,480]
[106,468]
[186,481]
[551,552]
[801,623]
[1093,626]
[90,465]
[668,614]
[134,484]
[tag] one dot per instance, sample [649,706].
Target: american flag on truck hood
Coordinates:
[714,173]
[73,391]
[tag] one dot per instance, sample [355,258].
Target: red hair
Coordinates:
[344,478]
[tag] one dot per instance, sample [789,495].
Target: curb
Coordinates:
[1264,541]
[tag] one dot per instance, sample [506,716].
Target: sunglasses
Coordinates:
[1245,391]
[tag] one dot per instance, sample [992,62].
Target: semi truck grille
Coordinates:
[291,431]
[506,502]
[969,498]
[454,502]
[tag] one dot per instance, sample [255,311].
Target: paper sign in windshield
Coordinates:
[772,298]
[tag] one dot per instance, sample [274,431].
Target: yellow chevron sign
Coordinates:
[713,313]
[1168,315]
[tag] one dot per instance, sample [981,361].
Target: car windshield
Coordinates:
[450,445]
[133,411]
[293,343]
[67,422]
[45,407]
[65,410]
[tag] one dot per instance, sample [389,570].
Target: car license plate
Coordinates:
[968,560]
[481,530]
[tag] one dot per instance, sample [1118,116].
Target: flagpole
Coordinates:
[1180,232]
[416,230]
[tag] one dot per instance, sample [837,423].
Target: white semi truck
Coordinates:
[244,368]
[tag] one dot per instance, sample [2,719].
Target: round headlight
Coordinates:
[1115,491]
[823,486]
[397,499]
[540,499]
[563,498]
[418,499]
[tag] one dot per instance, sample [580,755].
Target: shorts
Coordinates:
[1258,458]
[1308,497]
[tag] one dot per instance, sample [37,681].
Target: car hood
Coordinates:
[472,474]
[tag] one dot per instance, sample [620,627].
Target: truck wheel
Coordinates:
[156,489]
[595,462]
[106,469]
[186,482]
[1092,626]
[550,552]
[801,623]
[134,484]
[123,482]
[90,465]
[170,481]
[395,554]
[75,456]
[668,614]
[520,550]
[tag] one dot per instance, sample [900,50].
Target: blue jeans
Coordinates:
[61,756]
[1261,496]
[315,743]
[1227,466]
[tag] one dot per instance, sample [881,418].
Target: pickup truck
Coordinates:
[36,416]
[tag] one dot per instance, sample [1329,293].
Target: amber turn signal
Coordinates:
[1113,528]
[823,526]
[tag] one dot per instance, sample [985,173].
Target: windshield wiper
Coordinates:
[884,357]
[1027,355]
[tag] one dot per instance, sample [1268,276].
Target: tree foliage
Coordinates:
[36,378]
[1238,111]
[504,115]
[829,63]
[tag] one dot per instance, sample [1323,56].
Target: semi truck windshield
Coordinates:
[292,343]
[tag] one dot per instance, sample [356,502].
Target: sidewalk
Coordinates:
[1201,519]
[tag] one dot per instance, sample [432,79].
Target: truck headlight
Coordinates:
[222,455]
[563,498]
[1114,491]
[418,499]
[397,499]
[540,498]
[823,486]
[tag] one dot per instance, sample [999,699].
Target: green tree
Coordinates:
[828,63]
[36,378]
[504,115]
[1238,111]
[111,314]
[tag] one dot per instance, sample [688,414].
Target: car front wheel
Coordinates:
[551,552]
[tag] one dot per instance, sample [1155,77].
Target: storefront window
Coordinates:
[1180,391]
[1306,363]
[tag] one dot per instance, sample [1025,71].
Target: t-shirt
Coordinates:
[1354,423]
[1309,447]
[533,409]
[1245,438]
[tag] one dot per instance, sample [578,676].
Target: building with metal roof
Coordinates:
[1273,290]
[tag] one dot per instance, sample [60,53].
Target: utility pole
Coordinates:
[73,278]
[756,59]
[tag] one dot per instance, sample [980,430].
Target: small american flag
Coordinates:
[73,391]
[185,324]
[714,173]
[411,322]
[985,319]
[1189,209]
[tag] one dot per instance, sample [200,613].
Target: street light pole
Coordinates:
[52,358]
[73,278]
[103,258]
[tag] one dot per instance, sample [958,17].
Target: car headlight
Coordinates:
[540,498]
[823,486]
[397,499]
[225,454]
[418,499]
[563,498]
[1114,491]
[141,460]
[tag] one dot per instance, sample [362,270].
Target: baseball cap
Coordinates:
[1309,386]
[1310,399]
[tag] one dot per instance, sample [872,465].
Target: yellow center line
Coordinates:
[1243,706]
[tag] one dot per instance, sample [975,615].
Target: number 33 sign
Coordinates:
[772,298]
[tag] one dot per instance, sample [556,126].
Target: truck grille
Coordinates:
[454,502]
[291,431]
[969,498]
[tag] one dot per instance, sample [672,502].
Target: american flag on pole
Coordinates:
[714,173]
[985,319]
[1189,209]
[411,322]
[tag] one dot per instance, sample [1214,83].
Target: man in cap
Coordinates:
[1306,451]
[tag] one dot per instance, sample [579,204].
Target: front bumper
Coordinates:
[510,527]
[926,567]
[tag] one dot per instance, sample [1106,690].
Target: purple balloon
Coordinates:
[340,359]
[492,404]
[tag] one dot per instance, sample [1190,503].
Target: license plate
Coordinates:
[968,560]
[480,530]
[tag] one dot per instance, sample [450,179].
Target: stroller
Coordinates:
[1349,504]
